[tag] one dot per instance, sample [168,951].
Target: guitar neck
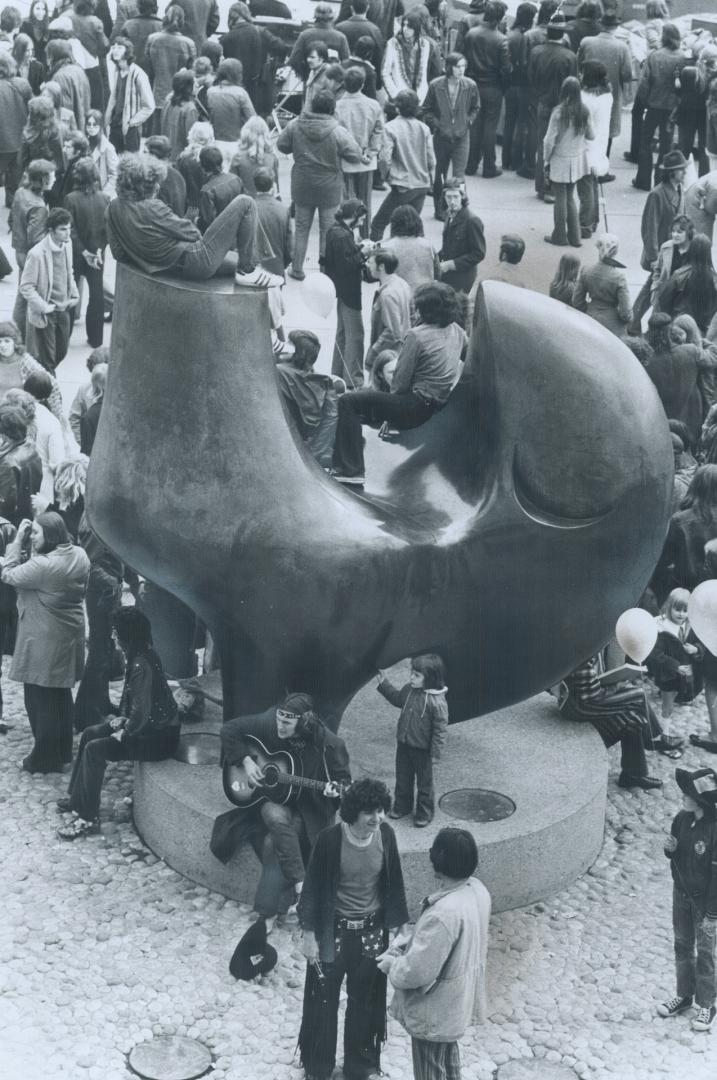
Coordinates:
[302,781]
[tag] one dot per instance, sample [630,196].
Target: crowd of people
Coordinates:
[151,135]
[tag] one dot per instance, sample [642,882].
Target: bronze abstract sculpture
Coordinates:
[507,533]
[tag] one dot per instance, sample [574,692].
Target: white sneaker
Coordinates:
[704,1020]
[258,279]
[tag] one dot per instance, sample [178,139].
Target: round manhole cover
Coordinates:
[170,1057]
[476,804]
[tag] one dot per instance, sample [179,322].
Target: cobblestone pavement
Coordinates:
[103,946]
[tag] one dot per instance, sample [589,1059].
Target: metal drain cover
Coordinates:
[170,1057]
[476,804]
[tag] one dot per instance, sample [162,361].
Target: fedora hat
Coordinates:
[252,955]
[674,159]
[698,784]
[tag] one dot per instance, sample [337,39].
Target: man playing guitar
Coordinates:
[282,834]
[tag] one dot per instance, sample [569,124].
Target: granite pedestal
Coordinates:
[554,771]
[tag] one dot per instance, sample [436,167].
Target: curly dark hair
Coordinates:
[437,304]
[139,176]
[405,221]
[364,795]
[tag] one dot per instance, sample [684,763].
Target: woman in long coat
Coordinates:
[602,290]
[50,646]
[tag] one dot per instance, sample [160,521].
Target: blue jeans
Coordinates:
[694,951]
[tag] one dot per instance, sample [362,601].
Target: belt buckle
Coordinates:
[354,924]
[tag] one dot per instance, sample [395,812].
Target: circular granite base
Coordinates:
[554,771]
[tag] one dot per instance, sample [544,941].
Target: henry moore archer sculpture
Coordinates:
[509,533]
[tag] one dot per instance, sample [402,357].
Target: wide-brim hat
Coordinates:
[252,955]
[675,159]
[698,784]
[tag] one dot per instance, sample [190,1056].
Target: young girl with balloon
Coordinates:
[674,663]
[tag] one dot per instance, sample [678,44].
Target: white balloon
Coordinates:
[702,613]
[319,295]
[636,632]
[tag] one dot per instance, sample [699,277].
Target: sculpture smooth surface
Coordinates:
[507,533]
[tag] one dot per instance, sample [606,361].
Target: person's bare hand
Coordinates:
[310,946]
[671,843]
[253,773]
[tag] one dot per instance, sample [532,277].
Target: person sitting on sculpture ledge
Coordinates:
[282,835]
[144,231]
[427,369]
[311,398]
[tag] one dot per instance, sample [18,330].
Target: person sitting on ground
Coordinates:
[281,835]
[605,283]
[428,368]
[311,398]
[146,727]
[219,188]
[689,847]
[144,231]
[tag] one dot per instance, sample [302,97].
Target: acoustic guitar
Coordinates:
[281,780]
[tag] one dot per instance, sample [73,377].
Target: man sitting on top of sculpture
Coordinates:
[143,230]
[427,369]
[281,832]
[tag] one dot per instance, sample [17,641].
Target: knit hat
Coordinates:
[698,784]
[252,955]
[298,704]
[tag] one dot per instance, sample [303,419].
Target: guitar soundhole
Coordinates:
[271,774]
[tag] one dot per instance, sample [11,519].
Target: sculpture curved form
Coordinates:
[507,533]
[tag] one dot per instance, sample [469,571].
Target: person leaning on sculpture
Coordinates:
[282,835]
[50,644]
[428,367]
[143,230]
[311,398]
[146,727]
[353,895]
[439,978]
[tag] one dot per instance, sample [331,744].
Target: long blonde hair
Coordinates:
[255,139]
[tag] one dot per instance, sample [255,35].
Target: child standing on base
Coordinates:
[691,848]
[421,734]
